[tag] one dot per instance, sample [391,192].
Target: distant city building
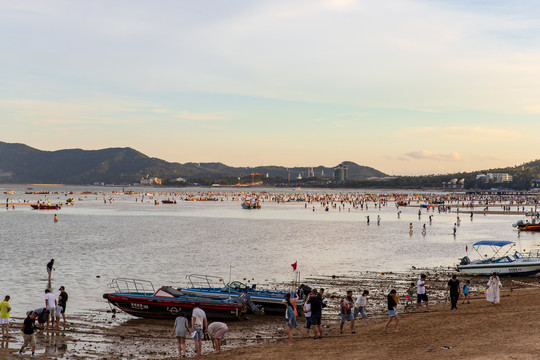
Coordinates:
[310,173]
[494,177]
[454,184]
[150,181]
[341,173]
[535,183]
[98,183]
[180,179]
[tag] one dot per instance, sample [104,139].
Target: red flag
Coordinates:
[294,265]
[466,248]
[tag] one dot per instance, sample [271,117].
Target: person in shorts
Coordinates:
[307,315]
[4,316]
[392,300]
[217,331]
[42,316]
[50,304]
[62,303]
[360,305]
[199,323]
[316,313]
[180,330]
[421,292]
[28,333]
[345,306]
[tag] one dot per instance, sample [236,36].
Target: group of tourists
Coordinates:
[351,309]
[198,331]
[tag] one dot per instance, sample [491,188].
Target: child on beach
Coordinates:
[392,309]
[179,331]
[409,295]
[466,295]
[360,305]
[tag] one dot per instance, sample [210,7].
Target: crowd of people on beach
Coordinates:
[48,317]
[350,309]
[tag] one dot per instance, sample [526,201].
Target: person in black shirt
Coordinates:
[392,309]
[28,333]
[315,300]
[62,300]
[453,287]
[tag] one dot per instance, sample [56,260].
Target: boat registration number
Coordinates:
[139,306]
[514,270]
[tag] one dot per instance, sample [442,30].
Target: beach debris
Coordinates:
[446,347]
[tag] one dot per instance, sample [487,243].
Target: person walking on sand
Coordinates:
[455,229]
[4,316]
[493,292]
[217,331]
[392,301]
[360,305]
[199,323]
[421,292]
[50,305]
[345,306]
[50,268]
[453,287]
[290,319]
[29,336]
[180,330]
[466,295]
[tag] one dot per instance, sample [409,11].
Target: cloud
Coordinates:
[428,155]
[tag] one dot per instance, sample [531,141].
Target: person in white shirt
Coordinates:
[360,305]
[50,304]
[199,323]
[421,292]
[307,315]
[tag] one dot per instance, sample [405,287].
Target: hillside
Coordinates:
[22,164]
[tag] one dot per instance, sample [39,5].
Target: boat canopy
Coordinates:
[493,243]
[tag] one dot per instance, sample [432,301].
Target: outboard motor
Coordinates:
[303,291]
[465,261]
[245,300]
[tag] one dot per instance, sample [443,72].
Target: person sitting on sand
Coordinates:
[392,309]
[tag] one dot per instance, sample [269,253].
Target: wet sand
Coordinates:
[478,330]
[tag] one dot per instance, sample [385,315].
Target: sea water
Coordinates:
[95,241]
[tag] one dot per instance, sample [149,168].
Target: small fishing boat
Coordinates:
[46,206]
[139,298]
[248,204]
[10,192]
[206,286]
[526,226]
[506,264]
[168,201]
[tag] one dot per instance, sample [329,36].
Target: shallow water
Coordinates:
[94,242]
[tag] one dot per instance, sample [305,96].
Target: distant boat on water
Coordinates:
[46,206]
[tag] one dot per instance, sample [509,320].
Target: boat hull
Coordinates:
[166,308]
[517,268]
[45,207]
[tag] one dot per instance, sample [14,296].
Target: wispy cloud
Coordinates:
[428,155]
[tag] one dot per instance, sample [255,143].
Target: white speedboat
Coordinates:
[506,264]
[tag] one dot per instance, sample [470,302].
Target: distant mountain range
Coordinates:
[23,164]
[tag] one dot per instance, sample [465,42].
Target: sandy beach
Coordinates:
[479,330]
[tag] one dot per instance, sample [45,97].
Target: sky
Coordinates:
[408,87]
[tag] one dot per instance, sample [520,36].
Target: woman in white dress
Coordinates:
[493,293]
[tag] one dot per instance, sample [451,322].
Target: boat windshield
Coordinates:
[518,255]
[236,286]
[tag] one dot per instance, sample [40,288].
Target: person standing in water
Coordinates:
[50,268]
